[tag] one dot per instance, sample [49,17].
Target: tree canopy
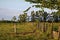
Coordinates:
[51,4]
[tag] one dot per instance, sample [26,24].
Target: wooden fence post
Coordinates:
[52,31]
[14,27]
[59,32]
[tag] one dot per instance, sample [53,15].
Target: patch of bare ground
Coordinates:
[55,34]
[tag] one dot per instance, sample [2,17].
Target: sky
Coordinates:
[10,8]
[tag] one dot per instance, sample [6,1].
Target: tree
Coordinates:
[37,19]
[51,4]
[37,14]
[55,16]
[25,17]
[22,17]
[45,15]
[2,19]
[32,16]
[14,18]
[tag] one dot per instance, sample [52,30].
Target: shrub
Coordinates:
[55,28]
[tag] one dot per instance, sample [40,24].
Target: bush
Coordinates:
[55,28]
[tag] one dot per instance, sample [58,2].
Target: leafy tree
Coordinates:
[37,14]
[22,17]
[19,18]
[51,4]
[14,18]
[32,16]
[25,18]
[45,15]
[40,15]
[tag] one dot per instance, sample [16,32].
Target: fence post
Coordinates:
[52,31]
[59,32]
[14,27]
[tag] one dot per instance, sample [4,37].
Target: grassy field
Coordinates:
[24,31]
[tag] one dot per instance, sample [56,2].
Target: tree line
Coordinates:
[37,16]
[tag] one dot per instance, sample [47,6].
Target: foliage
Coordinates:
[33,16]
[55,28]
[44,3]
[22,17]
[51,4]
[45,15]
[14,18]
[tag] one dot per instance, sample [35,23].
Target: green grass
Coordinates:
[6,28]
